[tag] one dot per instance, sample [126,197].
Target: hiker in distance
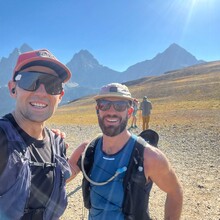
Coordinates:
[134,114]
[145,107]
[33,163]
[118,167]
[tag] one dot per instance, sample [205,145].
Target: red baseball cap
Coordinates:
[42,57]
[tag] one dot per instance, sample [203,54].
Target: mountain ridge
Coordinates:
[88,75]
[84,65]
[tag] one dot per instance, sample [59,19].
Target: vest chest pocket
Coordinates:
[58,200]
[15,183]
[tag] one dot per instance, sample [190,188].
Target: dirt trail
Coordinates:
[194,152]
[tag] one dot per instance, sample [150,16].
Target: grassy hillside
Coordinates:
[186,114]
[191,95]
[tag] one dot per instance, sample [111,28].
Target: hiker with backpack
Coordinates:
[145,107]
[33,163]
[119,167]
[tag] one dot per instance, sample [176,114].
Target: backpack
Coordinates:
[16,178]
[135,205]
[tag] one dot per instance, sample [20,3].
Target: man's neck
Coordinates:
[112,145]
[34,129]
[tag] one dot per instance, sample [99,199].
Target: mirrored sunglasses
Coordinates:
[31,81]
[119,106]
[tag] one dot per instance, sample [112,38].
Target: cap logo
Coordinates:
[45,54]
[113,89]
[18,77]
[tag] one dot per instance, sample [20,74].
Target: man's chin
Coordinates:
[112,131]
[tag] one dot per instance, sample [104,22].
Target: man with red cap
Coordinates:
[33,165]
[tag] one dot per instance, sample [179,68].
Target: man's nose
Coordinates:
[41,89]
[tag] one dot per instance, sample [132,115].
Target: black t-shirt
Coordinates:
[41,151]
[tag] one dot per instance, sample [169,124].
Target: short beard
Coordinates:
[112,131]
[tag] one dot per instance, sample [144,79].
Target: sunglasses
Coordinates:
[119,106]
[31,81]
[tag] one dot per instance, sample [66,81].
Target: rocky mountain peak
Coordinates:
[84,59]
[25,48]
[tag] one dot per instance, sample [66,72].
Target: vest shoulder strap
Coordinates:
[89,154]
[19,146]
[137,160]
[12,135]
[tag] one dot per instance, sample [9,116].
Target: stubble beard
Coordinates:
[112,130]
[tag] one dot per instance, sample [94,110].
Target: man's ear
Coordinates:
[61,95]
[97,110]
[130,111]
[12,88]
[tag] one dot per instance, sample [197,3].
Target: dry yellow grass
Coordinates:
[175,98]
[171,112]
[186,113]
[81,112]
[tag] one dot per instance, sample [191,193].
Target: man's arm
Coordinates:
[150,106]
[74,159]
[159,170]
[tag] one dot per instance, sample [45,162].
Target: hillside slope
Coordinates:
[186,115]
[193,88]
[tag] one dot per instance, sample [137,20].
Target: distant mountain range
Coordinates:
[85,67]
[88,74]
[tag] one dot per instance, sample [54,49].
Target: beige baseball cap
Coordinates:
[115,90]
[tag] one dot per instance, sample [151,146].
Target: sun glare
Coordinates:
[198,9]
[202,3]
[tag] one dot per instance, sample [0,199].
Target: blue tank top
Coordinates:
[106,200]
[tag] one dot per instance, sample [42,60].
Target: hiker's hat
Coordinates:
[42,57]
[114,90]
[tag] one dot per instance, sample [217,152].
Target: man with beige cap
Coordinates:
[33,165]
[119,167]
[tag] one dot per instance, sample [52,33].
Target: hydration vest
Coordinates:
[15,181]
[136,187]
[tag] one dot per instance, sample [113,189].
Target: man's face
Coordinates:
[36,106]
[112,122]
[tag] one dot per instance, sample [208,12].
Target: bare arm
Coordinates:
[73,160]
[159,170]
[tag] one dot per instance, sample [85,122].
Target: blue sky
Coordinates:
[119,33]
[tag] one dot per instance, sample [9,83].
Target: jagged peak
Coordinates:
[84,51]
[84,54]
[25,48]
[85,57]
[174,45]
[174,50]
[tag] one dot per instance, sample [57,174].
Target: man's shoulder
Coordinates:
[94,141]
[154,159]
[2,134]
[5,126]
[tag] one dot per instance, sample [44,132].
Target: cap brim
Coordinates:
[113,96]
[63,72]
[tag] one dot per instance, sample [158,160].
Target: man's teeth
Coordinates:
[39,105]
[112,120]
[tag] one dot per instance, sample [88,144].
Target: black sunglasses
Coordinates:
[119,106]
[30,81]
